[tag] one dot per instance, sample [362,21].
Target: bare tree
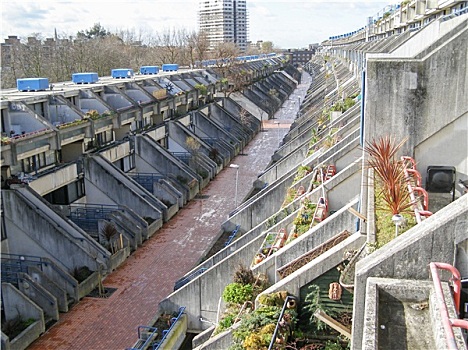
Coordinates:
[202,45]
[31,57]
[197,46]
[171,43]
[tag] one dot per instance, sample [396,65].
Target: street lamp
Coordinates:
[398,220]
[277,122]
[235,166]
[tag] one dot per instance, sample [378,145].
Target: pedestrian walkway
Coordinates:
[149,274]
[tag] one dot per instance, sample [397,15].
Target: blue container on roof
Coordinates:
[170,67]
[32,84]
[85,78]
[149,70]
[121,73]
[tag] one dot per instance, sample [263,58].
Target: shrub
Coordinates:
[237,293]
[244,275]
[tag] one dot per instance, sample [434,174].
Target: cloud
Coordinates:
[287,23]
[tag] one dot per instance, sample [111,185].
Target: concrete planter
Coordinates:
[85,287]
[26,337]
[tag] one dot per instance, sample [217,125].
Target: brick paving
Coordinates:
[149,274]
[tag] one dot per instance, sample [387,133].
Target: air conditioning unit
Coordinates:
[440,179]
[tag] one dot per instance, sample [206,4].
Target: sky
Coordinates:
[288,24]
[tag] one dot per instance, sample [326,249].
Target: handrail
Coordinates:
[30,260]
[413,169]
[186,279]
[148,340]
[33,285]
[232,236]
[173,322]
[447,322]
[275,333]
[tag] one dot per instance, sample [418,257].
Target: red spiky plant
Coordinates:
[390,171]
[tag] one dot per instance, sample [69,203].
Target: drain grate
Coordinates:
[106,293]
[202,196]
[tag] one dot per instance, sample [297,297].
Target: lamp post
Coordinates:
[398,220]
[277,122]
[235,166]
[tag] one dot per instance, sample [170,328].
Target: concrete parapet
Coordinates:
[39,295]
[18,305]
[219,341]
[111,186]
[405,314]
[408,255]
[42,232]
[340,221]
[59,294]
[202,337]
[317,267]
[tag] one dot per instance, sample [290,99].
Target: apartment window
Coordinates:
[38,161]
[103,138]
[67,194]
[127,163]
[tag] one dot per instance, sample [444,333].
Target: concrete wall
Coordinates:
[250,106]
[177,334]
[408,255]
[114,184]
[403,96]
[151,153]
[342,220]
[409,292]
[35,229]
[447,148]
[55,180]
[58,293]
[39,295]
[318,266]
[16,304]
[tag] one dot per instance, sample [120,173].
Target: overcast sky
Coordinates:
[288,24]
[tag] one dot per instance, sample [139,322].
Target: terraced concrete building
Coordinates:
[313,221]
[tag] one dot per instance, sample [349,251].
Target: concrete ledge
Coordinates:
[317,267]
[395,311]
[176,336]
[85,287]
[202,337]
[28,336]
[219,341]
[407,256]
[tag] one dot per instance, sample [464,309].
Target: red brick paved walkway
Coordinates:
[149,274]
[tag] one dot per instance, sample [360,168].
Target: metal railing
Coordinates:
[280,318]
[24,261]
[447,322]
[183,156]
[232,236]
[15,279]
[186,279]
[411,169]
[86,216]
[147,339]
[146,180]
[167,331]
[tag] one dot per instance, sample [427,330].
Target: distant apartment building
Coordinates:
[299,56]
[224,21]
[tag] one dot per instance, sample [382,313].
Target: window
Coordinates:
[127,163]
[67,194]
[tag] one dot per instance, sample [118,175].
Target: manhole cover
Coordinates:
[105,292]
